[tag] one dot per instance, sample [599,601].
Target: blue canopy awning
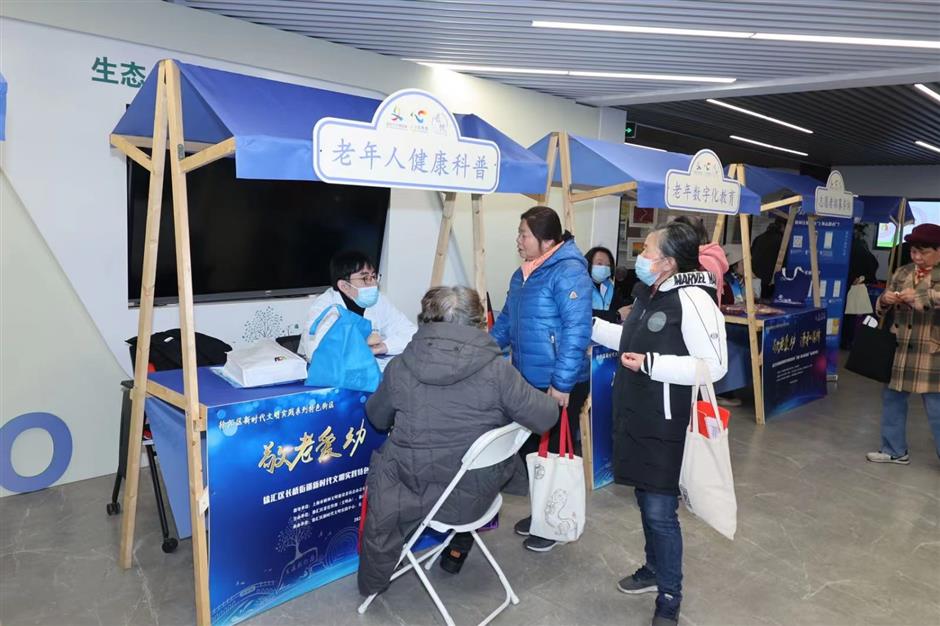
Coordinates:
[272,123]
[3,110]
[598,163]
[880,209]
[768,183]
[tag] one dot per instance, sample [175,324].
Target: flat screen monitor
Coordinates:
[253,238]
[920,211]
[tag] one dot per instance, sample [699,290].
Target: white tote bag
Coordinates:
[556,489]
[857,300]
[263,363]
[705,480]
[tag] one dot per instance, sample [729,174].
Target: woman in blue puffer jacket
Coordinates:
[546,322]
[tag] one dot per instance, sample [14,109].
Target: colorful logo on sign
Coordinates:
[396,115]
[420,116]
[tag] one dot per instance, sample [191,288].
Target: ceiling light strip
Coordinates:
[924,144]
[767,145]
[759,115]
[733,34]
[927,90]
[492,69]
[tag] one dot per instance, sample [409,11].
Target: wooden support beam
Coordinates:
[752,325]
[208,155]
[189,147]
[770,206]
[565,153]
[131,151]
[600,192]
[551,156]
[443,238]
[894,258]
[785,242]
[814,260]
[188,336]
[752,321]
[174,398]
[587,441]
[717,235]
[144,325]
[479,246]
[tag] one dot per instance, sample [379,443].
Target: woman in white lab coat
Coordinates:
[355,287]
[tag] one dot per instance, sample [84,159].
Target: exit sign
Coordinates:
[629,132]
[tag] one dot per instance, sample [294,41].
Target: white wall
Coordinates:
[910,181]
[71,187]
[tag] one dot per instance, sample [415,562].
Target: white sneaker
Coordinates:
[884,457]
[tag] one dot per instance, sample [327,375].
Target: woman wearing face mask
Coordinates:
[356,288]
[675,322]
[605,301]
[546,322]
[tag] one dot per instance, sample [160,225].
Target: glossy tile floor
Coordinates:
[824,538]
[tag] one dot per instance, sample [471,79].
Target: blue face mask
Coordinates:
[367,296]
[644,271]
[600,273]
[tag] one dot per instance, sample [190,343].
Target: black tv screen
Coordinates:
[253,238]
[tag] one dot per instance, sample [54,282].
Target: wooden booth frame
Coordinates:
[168,134]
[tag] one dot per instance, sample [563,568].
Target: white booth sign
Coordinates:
[833,200]
[703,187]
[412,141]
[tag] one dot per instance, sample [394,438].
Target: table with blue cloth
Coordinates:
[285,468]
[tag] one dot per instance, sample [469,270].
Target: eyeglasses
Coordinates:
[367,279]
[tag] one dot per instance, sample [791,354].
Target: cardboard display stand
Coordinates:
[161,101]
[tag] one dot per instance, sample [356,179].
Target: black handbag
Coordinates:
[872,354]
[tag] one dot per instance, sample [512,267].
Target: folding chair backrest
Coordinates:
[495,446]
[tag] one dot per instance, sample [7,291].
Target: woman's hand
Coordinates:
[632,361]
[624,312]
[560,396]
[890,297]
[908,296]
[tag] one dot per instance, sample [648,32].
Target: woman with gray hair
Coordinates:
[449,386]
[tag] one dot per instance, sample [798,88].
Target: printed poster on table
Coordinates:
[834,243]
[794,353]
[603,367]
[286,481]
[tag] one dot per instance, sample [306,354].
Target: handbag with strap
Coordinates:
[792,290]
[556,488]
[705,479]
[872,354]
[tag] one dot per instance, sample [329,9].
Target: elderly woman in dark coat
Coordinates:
[449,386]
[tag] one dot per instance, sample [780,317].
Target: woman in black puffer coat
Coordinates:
[674,324]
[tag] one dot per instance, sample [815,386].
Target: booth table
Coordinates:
[286,468]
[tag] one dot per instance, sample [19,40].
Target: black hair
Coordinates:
[698,224]
[545,224]
[589,257]
[346,263]
[680,241]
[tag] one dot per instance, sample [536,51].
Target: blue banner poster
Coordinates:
[603,367]
[794,360]
[834,242]
[286,477]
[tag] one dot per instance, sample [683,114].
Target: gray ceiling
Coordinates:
[500,34]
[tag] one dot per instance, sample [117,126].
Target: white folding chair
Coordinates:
[489,449]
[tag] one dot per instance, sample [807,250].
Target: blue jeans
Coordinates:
[894,420]
[663,539]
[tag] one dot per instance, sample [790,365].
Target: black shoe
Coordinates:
[451,563]
[539,544]
[667,610]
[641,581]
[522,526]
